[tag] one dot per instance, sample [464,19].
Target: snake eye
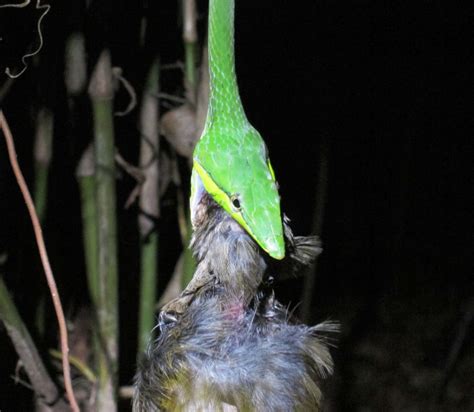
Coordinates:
[235,202]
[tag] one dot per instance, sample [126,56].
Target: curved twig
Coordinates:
[44,259]
[16,6]
[39,6]
[85,371]
[136,173]
[117,71]
[170,97]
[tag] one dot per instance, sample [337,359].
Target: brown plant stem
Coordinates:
[40,380]
[44,259]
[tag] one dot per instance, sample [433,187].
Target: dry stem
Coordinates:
[44,259]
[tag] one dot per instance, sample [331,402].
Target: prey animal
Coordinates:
[233,347]
[226,344]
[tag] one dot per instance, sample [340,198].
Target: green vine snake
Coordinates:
[231,160]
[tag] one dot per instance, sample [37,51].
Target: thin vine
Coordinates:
[39,6]
[44,260]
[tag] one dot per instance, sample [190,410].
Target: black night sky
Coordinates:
[381,90]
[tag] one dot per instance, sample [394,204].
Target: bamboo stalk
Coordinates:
[85,175]
[149,206]
[190,39]
[42,157]
[75,71]
[40,380]
[75,80]
[186,261]
[101,94]
[42,152]
[317,225]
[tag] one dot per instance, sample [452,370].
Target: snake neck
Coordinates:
[224,100]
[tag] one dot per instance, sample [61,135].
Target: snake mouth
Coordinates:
[273,245]
[277,253]
[266,231]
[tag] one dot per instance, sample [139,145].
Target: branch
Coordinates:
[117,73]
[40,380]
[44,259]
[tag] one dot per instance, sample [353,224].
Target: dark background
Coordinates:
[384,87]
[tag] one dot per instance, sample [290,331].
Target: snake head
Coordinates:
[235,170]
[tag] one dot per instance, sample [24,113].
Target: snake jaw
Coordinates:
[262,221]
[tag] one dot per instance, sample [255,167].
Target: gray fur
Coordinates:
[224,250]
[233,347]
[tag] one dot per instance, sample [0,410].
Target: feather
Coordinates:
[232,344]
